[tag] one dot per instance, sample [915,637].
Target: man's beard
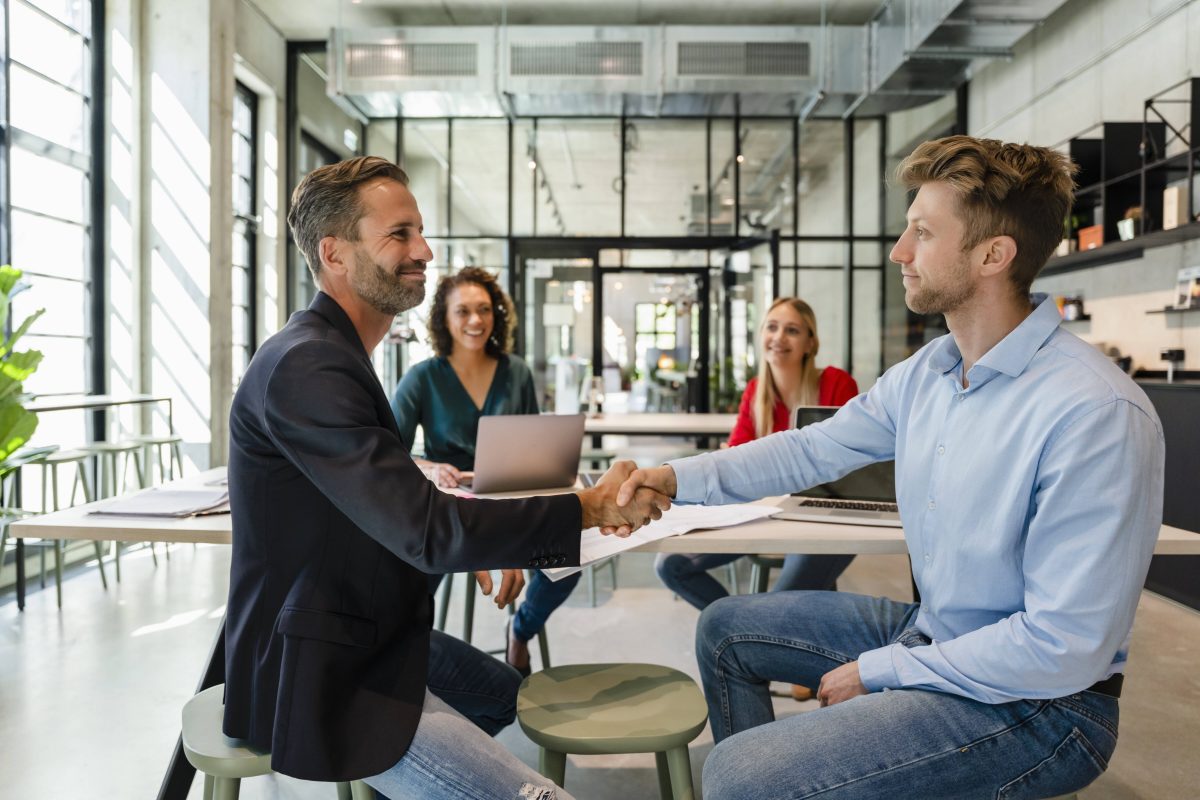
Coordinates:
[957,290]
[386,292]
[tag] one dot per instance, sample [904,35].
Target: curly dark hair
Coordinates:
[504,313]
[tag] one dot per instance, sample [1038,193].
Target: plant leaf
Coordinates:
[19,332]
[19,366]
[16,427]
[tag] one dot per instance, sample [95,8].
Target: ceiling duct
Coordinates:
[911,52]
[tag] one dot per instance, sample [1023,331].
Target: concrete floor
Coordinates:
[90,696]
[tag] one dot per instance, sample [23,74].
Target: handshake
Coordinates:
[627,498]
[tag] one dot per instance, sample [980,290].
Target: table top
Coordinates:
[68,402]
[763,536]
[661,424]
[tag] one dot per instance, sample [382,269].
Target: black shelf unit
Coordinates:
[1127,166]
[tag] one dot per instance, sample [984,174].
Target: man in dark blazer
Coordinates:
[328,641]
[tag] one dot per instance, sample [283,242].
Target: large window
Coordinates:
[49,166]
[245,226]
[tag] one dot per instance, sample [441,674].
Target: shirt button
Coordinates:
[928,557]
[932,505]
[960,396]
[941,450]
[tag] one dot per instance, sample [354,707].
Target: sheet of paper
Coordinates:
[596,547]
[168,503]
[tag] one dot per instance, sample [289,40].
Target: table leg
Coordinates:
[20,574]
[178,780]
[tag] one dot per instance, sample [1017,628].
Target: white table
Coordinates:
[660,424]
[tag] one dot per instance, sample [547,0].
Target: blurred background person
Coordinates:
[471,375]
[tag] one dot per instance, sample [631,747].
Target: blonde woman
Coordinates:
[787,377]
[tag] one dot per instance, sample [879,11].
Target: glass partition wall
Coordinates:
[641,252]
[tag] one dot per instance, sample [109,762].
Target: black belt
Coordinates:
[1110,686]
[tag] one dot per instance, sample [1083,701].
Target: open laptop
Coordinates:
[526,451]
[866,496]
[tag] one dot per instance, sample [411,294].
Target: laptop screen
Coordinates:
[875,482]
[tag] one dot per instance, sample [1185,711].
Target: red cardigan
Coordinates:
[836,387]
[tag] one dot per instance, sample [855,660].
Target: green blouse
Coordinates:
[431,395]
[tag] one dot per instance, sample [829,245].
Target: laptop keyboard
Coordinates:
[851,505]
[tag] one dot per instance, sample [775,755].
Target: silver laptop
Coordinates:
[866,496]
[526,451]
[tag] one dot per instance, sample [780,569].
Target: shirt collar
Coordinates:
[1012,354]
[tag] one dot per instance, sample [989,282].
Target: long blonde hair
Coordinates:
[810,377]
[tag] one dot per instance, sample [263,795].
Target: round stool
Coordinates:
[760,572]
[592,709]
[110,478]
[169,468]
[224,761]
[50,502]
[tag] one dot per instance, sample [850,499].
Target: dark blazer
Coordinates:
[334,528]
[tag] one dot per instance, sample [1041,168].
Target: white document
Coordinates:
[168,503]
[596,547]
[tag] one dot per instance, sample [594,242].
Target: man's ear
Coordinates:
[333,255]
[998,255]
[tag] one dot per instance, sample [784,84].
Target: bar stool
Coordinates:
[110,476]
[609,709]
[590,571]
[50,465]
[760,571]
[224,761]
[9,512]
[169,467]
[469,613]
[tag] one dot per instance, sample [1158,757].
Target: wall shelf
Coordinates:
[1114,252]
[1172,310]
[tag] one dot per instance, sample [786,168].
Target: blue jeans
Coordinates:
[542,596]
[470,697]
[686,574]
[904,743]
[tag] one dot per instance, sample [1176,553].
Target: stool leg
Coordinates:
[343,790]
[553,765]
[612,569]
[733,580]
[176,459]
[591,581]
[208,786]
[58,557]
[80,482]
[226,788]
[361,791]
[680,767]
[544,648]
[469,609]
[664,776]
[444,602]
[761,577]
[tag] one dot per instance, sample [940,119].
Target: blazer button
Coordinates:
[560,560]
[533,562]
[545,562]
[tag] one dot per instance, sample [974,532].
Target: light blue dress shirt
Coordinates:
[1031,503]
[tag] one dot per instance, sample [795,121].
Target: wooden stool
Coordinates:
[224,761]
[592,709]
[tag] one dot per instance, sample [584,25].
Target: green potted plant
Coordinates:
[16,423]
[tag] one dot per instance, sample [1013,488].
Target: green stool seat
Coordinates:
[225,761]
[592,709]
[170,467]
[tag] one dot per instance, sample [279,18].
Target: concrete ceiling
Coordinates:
[312,19]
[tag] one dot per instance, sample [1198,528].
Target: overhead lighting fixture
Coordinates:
[532,164]
[741,159]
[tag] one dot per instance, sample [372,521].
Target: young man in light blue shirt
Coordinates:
[1029,473]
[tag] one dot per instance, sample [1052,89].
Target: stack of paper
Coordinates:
[168,503]
[679,519]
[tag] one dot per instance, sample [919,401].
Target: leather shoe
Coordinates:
[516,652]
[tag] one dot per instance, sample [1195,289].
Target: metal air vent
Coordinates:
[758,59]
[576,59]
[410,60]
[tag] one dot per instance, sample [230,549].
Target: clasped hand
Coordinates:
[603,509]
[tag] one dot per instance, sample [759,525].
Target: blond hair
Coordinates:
[767,394]
[1006,189]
